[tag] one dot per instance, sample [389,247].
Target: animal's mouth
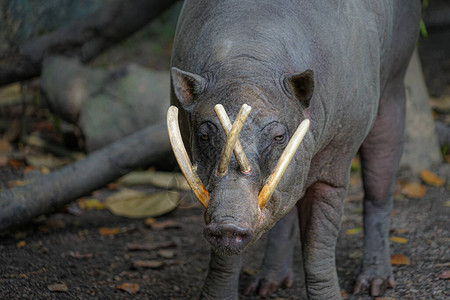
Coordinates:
[232,146]
[228,238]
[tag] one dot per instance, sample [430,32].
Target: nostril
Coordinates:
[228,237]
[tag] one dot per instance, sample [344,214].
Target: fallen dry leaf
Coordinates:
[151,264]
[149,221]
[48,161]
[44,170]
[131,288]
[413,190]
[18,183]
[28,169]
[444,275]
[355,255]
[58,287]
[135,204]
[162,225]
[149,246]
[108,231]
[21,244]
[353,231]
[42,125]
[401,230]
[432,179]
[112,186]
[400,259]
[11,93]
[78,255]
[5,150]
[447,158]
[90,204]
[15,163]
[52,224]
[355,179]
[440,104]
[166,253]
[344,295]
[399,240]
[5,146]
[166,180]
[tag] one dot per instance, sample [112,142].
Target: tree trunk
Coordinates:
[84,38]
[421,149]
[48,192]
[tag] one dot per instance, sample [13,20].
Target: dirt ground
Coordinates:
[66,255]
[68,249]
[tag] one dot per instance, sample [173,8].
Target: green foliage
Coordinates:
[423,29]
[55,121]
[445,149]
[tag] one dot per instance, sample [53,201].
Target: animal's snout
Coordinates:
[228,238]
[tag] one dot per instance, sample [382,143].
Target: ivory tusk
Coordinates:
[182,157]
[232,138]
[238,150]
[285,158]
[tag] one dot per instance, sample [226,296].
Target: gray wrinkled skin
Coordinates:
[352,56]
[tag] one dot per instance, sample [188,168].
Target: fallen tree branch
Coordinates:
[48,192]
[84,38]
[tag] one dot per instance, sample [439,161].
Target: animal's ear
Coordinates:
[186,86]
[301,85]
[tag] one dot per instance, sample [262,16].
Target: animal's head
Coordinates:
[247,173]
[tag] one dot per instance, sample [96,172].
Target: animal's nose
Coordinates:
[228,238]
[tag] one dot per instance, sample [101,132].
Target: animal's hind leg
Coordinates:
[380,156]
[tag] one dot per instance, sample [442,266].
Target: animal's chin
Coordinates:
[228,246]
[224,250]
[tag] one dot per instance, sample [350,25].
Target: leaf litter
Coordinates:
[162,225]
[149,246]
[400,259]
[432,179]
[148,264]
[130,288]
[58,287]
[135,204]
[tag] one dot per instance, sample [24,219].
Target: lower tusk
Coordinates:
[182,157]
[232,138]
[283,162]
[238,150]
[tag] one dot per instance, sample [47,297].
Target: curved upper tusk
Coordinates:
[285,158]
[238,150]
[232,138]
[182,157]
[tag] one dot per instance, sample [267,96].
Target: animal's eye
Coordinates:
[204,136]
[279,138]
[206,132]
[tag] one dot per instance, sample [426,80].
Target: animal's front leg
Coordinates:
[277,265]
[222,281]
[320,214]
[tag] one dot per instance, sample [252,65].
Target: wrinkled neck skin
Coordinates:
[234,197]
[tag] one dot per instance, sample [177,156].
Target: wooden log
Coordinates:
[83,39]
[48,192]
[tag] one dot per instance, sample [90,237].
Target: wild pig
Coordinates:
[337,64]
